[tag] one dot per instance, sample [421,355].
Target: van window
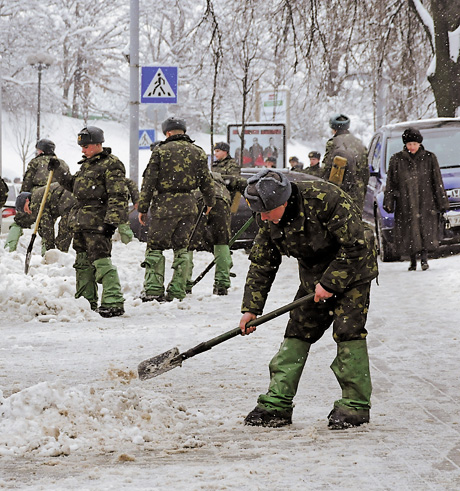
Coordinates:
[375,152]
[443,142]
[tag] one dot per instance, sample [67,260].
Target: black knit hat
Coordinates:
[225,147]
[267,190]
[412,135]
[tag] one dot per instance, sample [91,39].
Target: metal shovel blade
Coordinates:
[159,364]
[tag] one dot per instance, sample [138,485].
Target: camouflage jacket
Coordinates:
[315,170]
[355,185]
[3,192]
[133,191]
[226,167]
[323,230]
[100,190]
[37,172]
[176,168]
[59,200]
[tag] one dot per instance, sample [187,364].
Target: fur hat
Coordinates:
[21,200]
[225,147]
[267,190]
[412,135]
[314,155]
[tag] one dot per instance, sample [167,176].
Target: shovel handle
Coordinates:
[207,345]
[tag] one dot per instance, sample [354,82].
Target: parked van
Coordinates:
[441,136]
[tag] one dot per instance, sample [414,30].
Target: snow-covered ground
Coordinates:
[74,415]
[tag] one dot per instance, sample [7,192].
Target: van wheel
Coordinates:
[385,250]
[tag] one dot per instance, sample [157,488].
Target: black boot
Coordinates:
[341,418]
[260,416]
[413,263]
[424,260]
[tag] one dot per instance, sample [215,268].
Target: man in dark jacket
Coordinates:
[315,222]
[176,168]
[99,188]
[356,172]
[415,193]
[36,176]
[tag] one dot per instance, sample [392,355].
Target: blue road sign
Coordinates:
[159,84]
[146,137]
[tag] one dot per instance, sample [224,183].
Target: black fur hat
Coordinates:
[412,135]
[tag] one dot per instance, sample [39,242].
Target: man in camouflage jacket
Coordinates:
[35,177]
[176,168]
[59,204]
[344,144]
[99,188]
[213,234]
[317,223]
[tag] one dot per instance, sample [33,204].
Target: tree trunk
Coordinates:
[445,81]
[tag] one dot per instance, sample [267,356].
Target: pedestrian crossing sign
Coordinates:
[146,137]
[159,85]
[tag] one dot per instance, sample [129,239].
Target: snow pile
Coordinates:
[51,420]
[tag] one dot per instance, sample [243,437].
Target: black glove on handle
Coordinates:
[53,163]
[108,230]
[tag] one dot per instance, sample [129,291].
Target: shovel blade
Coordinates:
[159,364]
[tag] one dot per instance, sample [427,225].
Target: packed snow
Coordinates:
[74,415]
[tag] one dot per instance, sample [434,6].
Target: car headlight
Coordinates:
[453,193]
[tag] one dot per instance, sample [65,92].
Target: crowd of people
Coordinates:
[188,206]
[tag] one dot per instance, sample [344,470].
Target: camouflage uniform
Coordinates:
[3,192]
[176,168]
[322,229]
[213,235]
[35,176]
[99,188]
[355,183]
[315,170]
[126,234]
[230,171]
[58,204]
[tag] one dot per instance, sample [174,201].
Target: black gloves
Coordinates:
[108,230]
[53,163]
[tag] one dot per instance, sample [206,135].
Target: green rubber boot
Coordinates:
[107,275]
[285,371]
[181,266]
[86,280]
[189,281]
[154,264]
[126,234]
[224,263]
[351,368]
[14,232]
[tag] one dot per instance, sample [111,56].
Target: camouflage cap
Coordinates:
[267,190]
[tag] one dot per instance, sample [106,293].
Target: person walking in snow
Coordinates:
[317,223]
[176,168]
[415,193]
[99,188]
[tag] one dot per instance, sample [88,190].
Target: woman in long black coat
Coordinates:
[415,194]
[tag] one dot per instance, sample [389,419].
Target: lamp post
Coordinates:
[40,61]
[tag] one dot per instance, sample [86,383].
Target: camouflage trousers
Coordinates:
[170,233]
[213,229]
[347,312]
[96,245]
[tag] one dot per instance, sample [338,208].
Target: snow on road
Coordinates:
[73,414]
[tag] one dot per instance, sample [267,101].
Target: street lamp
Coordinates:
[40,61]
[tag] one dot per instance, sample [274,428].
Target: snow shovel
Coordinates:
[198,220]
[230,243]
[37,222]
[171,359]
